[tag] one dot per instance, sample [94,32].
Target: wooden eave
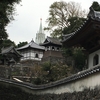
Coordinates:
[17,53]
[87,36]
[11,51]
[32,45]
[50,44]
[30,48]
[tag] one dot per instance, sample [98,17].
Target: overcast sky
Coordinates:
[27,20]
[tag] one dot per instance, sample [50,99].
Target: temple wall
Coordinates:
[78,82]
[32,55]
[18,94]
[91,56]
[78,85]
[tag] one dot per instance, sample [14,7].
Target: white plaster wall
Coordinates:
[32,56]
[78,85]
[90,59]
[89,82]
[41,55]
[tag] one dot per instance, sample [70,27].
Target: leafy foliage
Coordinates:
[79,58]
[7,8]
[59,15]
[7,43]
[67,52]
[21,44]
[50,73]
[6,15]
[77,55]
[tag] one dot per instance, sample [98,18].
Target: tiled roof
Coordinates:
[52,40]
[93,15]
[6,50]
[67,36]
[32,44]
[9,49]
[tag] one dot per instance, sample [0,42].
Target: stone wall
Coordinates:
[87,94]
[89,78]
[4,71]
[53,60]
[13,93]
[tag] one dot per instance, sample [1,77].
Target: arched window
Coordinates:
[57,48]
[95,60]
[36,56]
[48,48]
[53,48]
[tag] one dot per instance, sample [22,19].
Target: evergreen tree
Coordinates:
[7,8]
[21,44]
[96,6]
[7,43]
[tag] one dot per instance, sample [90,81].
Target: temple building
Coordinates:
[31,51]
[52,49]
[88,37]
[9,55]
[40,36]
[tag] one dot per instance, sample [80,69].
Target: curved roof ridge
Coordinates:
[68,36]
[92,15]
[32,44]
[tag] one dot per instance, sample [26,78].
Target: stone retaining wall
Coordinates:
[89,78]
[13,93]
[87,94]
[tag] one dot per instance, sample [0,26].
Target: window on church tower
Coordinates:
[95,60]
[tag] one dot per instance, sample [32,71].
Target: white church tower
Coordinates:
[40,36]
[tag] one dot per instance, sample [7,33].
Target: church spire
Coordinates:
[40,36]
[40,29]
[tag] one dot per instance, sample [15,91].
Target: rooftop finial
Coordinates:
[32,40]
[91,9]
[91,13]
